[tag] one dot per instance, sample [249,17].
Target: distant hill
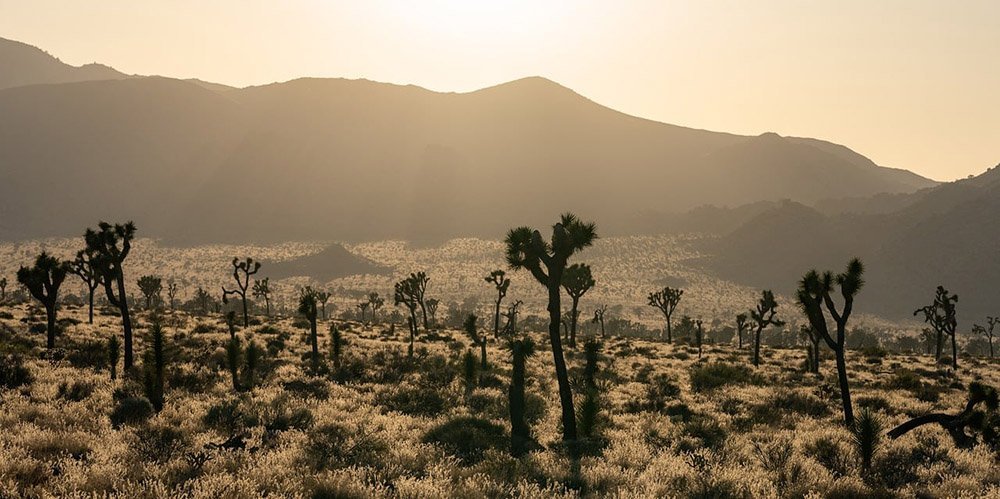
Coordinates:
[21,64]
[331,263]
[948,235]
[335,159]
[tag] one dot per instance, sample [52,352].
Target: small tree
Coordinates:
[262,290]
[363,307]
[308,309]
[154,366]
[203,300]
[666,301]
[375,302]
[812,349]
[405,293]
[151,286]
[108,260]
[699,335]
[336,345]
[763,316]
[43,281]
[83,267]
[172,290]
[500,281]
[510,318]
[741,326]
[576,280]
[991,323]
[599,318]
[432,307]
[814,293]
[241,274]
[418,287]
[3,290]
[547,260]
[253,357]
[321,298]
[469,326]
[521,441]
[234,355]
[942,318]
[590,408]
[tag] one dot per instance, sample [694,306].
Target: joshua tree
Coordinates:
[43,281]
[153,367]
[741,326]
[231,323]
[546,260]
[699,335]
[321,298]
[432,307]
[941,316]
[262,289]
[591,404]
[83,267]
[114,353]
[234,353]
[247,268]
[599,318]
[375,302]
[666,301]
[991,323]
[511,318]
[363,307]
[763,316]
[521,441]
[307,307]
[171,293]
[151,286]
[499,280]
[981,423]
[336,345]
[479,339]
[3,290]
[418,287]
[814,293]
[405,293]
[576,280]
[203,299]
[108,259]
[812,357]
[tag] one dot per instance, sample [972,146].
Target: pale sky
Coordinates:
[909,83]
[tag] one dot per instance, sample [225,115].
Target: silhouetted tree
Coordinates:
[3,290]
[510,316]
[576,280]
[363,307]
[154,366]
[941,316]
[979,422]
[666,301]
[231,323]
[114,353]
[252,357]
[43,281]
[500,281]
[521,441]
[321,298]
[83,267]
[418,287]
[262,290]
[432,307]
[741,326]
[172,290]
[471,330]
[108,260]
[241,274]
[590,407]
[336,344]
[599,318]
[308,309]
[991,323]
[375,302]
[203,300]
[405,293]
[525,249]
[814,293]
[151,286]
[812,349]
[763,316]
[234,355]
[699,334]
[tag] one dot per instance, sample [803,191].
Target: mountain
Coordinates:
[947,235]
[336,159]
[331,263]
[26,65]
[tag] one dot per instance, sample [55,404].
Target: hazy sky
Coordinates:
[910,83]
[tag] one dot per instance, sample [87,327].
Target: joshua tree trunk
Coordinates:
[496,320]
[954,352]
[845,387]
[938,346]
[756,348]
[423,313]
[90,306]
[562,376]
[314,339]
[520,433]
[50,317]
[670,336]
[126,322]
[815,355]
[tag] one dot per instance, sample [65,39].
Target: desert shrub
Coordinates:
[679,412]
[13,372]
[228,416]
[75,391]
[488,403]
[711,376]
[336,444]
[6,315]
[277,343]
[785,402]
[660,391]
[830,453]
[706,430]
[159,443]
[311,388]
[90,354]
[897,467]
[875,403]
[202,328]
[198,379]
[412,400]
[437,371]
[131,411]
[905,379]
[467,438]
[534,407]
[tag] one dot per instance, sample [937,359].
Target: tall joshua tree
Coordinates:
[812,359]
[815,293]
[510,316]
[322,297]
[405,293]
[599,318]
[521,441]
[262,290]
[108,259]
[151,286]
[83,267]
[363,308]
[499,280]
[576,280]
[418,287]
[172,290]
[741,327]
[308,308]
[666,301]
[241,273]
[547,260]
[941,316]
[375,302]
[43,281]
[432,306]
[987,331]
[763,316]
